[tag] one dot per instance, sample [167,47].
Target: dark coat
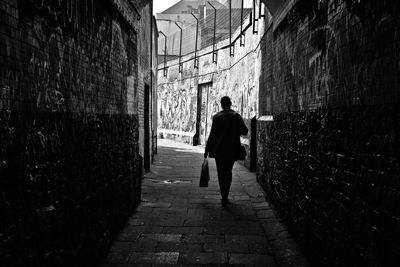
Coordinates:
[224,138]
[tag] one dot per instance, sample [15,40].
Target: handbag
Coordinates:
[241,153]
[205,174]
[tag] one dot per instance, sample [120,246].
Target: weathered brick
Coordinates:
[348,193]
[253,259]
[68,132]
[203,258]
[154,258]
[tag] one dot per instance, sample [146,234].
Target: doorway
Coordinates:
[204,114]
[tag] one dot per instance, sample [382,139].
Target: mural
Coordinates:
[208,109]
[54,65]
[177,103]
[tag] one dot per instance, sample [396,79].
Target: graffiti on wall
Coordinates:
[177,103]
[235,77]
[333,70]
[244,91]
[334,56]
[63,83]
[66,68]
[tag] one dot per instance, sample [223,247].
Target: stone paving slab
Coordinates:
[180,224]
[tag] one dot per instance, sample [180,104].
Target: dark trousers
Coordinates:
[224,170]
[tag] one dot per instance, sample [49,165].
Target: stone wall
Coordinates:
[69,143]
[329,160]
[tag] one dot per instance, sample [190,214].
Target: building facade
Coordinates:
[76,87]
[318,86]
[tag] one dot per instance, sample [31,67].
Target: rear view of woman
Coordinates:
[224,142]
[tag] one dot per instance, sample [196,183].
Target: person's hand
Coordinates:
[205,154]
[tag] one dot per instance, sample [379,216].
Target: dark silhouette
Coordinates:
[224,143]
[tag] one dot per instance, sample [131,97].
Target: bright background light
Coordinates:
[161,5]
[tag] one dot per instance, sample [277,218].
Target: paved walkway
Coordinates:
[179,223]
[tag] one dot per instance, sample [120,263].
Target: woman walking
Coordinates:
[224,144]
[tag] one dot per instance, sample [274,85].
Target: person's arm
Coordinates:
[211,139]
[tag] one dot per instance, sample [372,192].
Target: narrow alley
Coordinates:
[108,107]
[180,223]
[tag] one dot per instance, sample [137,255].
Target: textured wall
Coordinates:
[177,100]
[144,62]
[62,56]
[332,53]
[154,93]
[69,181]
[69,167]
[334,176]
[330,159]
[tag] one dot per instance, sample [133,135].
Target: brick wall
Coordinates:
[144,57]
[329,160]
[69,165]
[154,109]
[69,182]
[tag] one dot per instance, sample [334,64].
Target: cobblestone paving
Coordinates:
[178,223]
